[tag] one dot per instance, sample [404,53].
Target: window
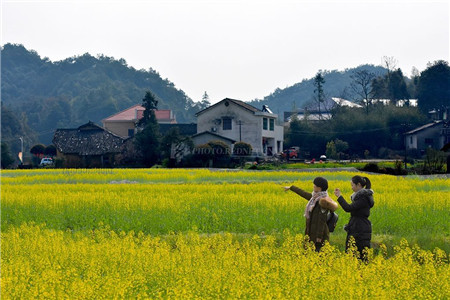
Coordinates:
[410,140]
[272,124]
[130,132]
[265,123]
[226,124]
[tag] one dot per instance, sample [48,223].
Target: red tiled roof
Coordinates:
[136,112]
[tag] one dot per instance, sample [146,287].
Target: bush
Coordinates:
[371,167]
[242,149]
[434,162]
[219,149]
[37,149]
[7,159]
[50,150]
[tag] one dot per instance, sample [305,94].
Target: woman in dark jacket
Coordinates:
[359,225]
[316,211]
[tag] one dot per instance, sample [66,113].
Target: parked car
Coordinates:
[46,161]
[292,152]
[323,158]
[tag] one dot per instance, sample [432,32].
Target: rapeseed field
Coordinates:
[157,233]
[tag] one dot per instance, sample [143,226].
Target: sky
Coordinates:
[236,49]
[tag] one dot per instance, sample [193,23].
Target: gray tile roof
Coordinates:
[88,139]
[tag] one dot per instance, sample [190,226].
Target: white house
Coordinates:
[433,135]
[235,120]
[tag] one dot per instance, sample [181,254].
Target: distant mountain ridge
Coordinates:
[42,95]
[300,95]
[72,91]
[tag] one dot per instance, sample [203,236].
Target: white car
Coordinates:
[323,158]
[46,161]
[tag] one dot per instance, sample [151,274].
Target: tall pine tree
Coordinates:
[148,137]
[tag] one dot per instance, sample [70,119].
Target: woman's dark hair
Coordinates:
[364,181]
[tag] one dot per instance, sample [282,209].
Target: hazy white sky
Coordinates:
[236,49]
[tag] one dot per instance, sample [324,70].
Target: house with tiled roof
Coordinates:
[232,120]
[124,122]
[88,146]
[432,135]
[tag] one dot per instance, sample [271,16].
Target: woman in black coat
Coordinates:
[359,225]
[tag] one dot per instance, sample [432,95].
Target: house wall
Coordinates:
[119,128]
[94,161]
[205,138]
[426,138]
[250,131]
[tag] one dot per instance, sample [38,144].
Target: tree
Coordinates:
[319,81]
[341,147]
[379,87]
[242,149]
[434,87]
[50,150]
[7,159]
[150,103]
[362,86]
[412,85]
[390,86]
[147,142]
[331,150]
[390,63]
[336,148]
[219,149]
[148,139]
[175,143]
[37,150]
[397,86]
[205,100]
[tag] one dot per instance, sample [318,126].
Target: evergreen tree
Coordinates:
[397,86]
[434,86]
[150,103]
[148,138]
[319,81]
[205,100]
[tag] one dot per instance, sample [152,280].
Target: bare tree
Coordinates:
[362,86]
[390,63]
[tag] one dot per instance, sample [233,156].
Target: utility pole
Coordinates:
[21,149]
[405,130]
[240,130]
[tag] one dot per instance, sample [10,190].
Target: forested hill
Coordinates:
[299,95]
[46,95]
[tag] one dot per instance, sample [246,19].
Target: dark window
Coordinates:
[272,124]
[265,123]
[130,132]
[410,139]
[226,124]
[429,141]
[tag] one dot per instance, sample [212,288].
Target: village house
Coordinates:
[124,123]
[432,135]
[88,146]
[305,114]
[233,120]
[314,114]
